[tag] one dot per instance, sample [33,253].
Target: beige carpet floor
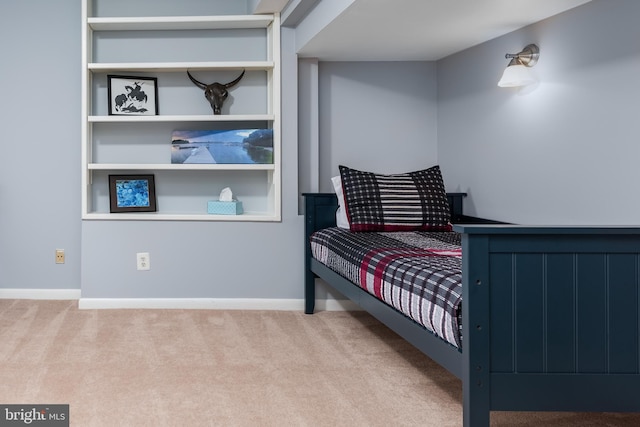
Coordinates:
[231,368]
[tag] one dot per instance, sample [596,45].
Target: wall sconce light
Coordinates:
[517,72]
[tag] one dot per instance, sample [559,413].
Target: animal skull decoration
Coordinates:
[216,92]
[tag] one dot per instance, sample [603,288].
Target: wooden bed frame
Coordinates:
[550,320]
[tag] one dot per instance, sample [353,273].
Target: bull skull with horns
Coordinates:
[216,92]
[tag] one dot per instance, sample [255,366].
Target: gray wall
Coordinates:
[376,116]
[40,186]
[40,167]
[564,152]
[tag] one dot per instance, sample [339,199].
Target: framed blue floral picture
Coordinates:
[132,193]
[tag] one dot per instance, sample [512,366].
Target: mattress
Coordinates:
[417,273]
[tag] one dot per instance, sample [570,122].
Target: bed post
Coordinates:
[319,212]
[476,384]
[455,205]
[309,277]
[309,287]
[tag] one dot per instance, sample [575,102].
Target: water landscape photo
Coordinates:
[238,146]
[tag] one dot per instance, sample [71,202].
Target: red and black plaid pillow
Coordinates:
[401,202]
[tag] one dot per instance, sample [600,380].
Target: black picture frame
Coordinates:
[132,193]
[132,96]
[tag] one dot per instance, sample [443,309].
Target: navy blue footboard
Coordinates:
[551,315]
[551,318]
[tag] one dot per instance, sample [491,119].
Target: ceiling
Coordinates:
[371,30]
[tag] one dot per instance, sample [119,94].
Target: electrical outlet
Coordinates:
[143,261]
[59,256]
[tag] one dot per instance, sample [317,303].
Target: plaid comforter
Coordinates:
[417,273]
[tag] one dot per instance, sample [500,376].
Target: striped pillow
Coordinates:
[402,202]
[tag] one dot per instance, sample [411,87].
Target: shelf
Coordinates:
[181,167]
[183,118]
[178,66]
[247,216]
[162,46]
[180,22]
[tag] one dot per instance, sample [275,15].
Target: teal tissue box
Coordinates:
[224,208]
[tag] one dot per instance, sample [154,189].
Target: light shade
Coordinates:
[516,75]
[517,72]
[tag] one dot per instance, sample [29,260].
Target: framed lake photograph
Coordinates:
[132,96]
[132,193]
[237,146]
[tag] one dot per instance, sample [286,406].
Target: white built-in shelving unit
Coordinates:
[215,48]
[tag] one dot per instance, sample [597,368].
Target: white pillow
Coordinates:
[341,214]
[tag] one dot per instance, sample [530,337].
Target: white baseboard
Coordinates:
[177,303]
[212,304]
[52,294]
[191,303]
